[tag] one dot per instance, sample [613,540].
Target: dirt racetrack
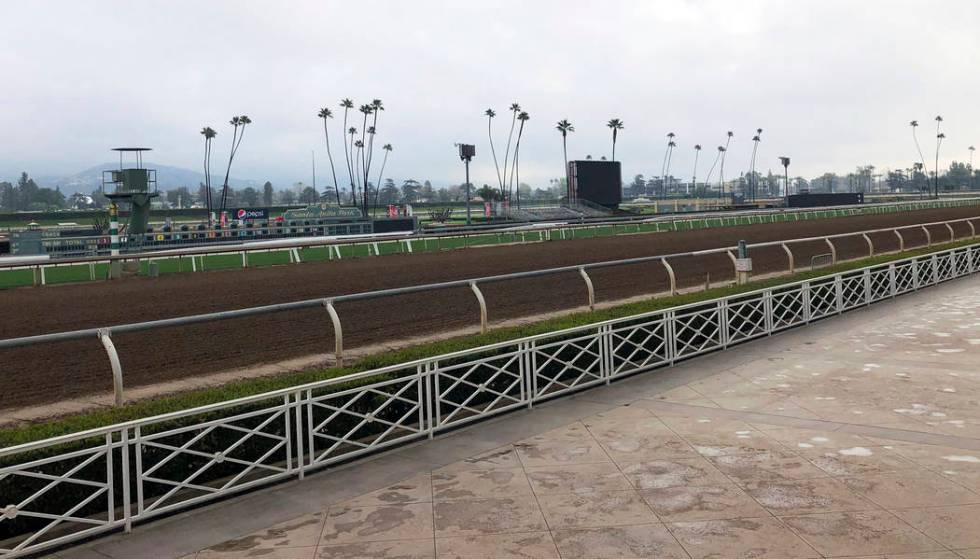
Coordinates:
[47,373]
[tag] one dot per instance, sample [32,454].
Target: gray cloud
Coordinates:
[832,83]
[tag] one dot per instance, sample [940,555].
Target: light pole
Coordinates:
[785,161]
[466,153]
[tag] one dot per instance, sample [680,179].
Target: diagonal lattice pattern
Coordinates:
[880,283]
[31,512]
[562,366]
[639,345]
[351,422]
[788,307]
[746,318]
[479,387]
[823,299]
[696,331]
[852,291]
[186,464]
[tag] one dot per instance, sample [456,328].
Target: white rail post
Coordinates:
[734,260]
[117,378]
[483,306]
[338,333]
[901,240]
[589,287]
[789,255]
[244,260]
[871,246]
[952,235]
[973,230]
[928,236]
[670,276]
[833,250]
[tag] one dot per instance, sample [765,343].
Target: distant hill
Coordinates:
[168,178]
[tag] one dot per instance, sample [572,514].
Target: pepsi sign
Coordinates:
[252,213]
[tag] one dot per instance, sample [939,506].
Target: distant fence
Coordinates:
[64,489]
[295,250]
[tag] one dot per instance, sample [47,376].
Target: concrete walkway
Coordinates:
[856,437]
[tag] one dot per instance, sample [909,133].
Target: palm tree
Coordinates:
[565,127]
[670,156]
[209,135]
[616,126]
[365,110]
[707,179]
[914,124]
[377,107]
[347,105]
[694,176]
[663,167]
[325,113]
[939,141]
[721,168]
[490,113]
[753,184]
[236,140]
[523,117]
[377,190]
[352,131]
[515,109]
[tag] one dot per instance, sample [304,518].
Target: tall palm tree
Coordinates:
[616,126]
[347,105]
[236,140]
[377,190]
[209,135]
[721,168]
[490,113]
[663,167]
[565,127]
[515,109]
[670,156]
[753,184]
[694,175]
[352,132]
[377,107]
[325,113]
[366,110]
[939,141]
[707,179]
[915,124]
[523,117]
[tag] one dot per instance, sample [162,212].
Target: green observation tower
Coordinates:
[134,186]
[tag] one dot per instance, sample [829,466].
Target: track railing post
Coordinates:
[589,287]
[483,306]
[671,276]
[117,375]
[901,240]
[871,246]
[731,256]
[833,250]
[973,230]
[928,236]
[338,333]
[952,235]
[789,256]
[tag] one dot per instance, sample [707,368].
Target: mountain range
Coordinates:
[168,178]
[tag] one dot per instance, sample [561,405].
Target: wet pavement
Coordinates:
[856,437]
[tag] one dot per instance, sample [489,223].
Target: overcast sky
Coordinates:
[832,83]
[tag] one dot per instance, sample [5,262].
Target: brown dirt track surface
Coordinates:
[46,373]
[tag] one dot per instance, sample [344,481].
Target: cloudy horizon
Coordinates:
[833,84]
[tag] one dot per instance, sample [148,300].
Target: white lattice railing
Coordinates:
[64,489]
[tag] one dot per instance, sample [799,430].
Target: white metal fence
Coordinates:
[71,487]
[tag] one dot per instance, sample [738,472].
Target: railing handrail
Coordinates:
[320,301]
